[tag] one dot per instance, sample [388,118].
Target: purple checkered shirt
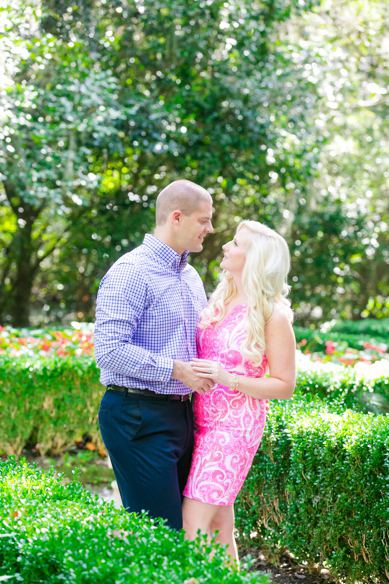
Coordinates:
[147,310]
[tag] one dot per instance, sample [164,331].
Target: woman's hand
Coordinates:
[213,370]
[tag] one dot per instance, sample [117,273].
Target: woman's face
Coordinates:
[235,252]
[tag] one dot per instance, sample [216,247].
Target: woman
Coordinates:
[244,331]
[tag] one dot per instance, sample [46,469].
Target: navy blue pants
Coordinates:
[150,443]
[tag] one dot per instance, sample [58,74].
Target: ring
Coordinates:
[210,370]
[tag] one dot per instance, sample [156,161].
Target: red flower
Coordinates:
[347,361]
[379,349]
[303,342]
[330,347]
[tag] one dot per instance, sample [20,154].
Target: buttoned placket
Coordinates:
[185,307]
[178,264]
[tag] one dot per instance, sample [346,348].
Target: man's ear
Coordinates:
[176,216]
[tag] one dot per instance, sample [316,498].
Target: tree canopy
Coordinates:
[276,107]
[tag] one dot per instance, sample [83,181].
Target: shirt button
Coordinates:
[161,378]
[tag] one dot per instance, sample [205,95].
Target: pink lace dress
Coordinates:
[228,424]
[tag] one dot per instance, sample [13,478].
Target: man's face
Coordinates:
[193,228]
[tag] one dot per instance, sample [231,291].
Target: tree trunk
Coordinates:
[21,292]
[24,278]
[22,259]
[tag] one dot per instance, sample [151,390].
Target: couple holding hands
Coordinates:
[159,343]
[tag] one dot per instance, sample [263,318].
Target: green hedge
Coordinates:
[366,327]
[53,401]
[319,484]
[50,533]
[316,340]
[49,401]
[364,389]
[319,487]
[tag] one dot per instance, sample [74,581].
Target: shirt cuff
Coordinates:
[164,369]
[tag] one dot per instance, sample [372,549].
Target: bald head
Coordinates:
[182,195]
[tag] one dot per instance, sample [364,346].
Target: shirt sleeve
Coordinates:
[121,301]
[203,295]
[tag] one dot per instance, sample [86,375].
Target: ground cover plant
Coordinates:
[55,533]
[64,342]
[318,487]
[345,342]
[92,466]
[366,340]
[341,347]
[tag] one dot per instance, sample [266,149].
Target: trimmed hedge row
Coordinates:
[362,387]
[50,533]
[52,402]
[48,401]
[319,487]
[368,326]
[319,484]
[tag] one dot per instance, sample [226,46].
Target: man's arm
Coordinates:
[121,301]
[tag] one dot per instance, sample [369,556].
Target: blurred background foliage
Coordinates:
[278,107]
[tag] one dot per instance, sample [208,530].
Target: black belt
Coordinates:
[148,392]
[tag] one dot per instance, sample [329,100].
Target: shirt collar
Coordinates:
[166,253]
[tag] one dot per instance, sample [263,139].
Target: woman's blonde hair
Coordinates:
[264,279]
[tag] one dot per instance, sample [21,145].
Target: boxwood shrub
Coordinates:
[56,534]
[53,401]
[319,487]
[362,388]
[373,327]
[48,401]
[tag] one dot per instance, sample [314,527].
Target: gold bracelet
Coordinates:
[235,383]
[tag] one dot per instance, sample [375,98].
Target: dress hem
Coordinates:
[202,501]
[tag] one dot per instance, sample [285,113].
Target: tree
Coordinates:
[342,227]
[58,113]
[232,96]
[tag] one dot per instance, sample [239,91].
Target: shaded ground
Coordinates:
[288,572]
[92,468]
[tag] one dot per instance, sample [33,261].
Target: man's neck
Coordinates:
[168,240]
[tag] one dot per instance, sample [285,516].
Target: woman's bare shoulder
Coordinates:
[281,316]
[280,325]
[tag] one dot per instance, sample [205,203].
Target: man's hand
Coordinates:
[184,373]
[214,370]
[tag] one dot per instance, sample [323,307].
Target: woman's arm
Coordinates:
[280,353]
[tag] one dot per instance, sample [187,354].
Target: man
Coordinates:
[145,336]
